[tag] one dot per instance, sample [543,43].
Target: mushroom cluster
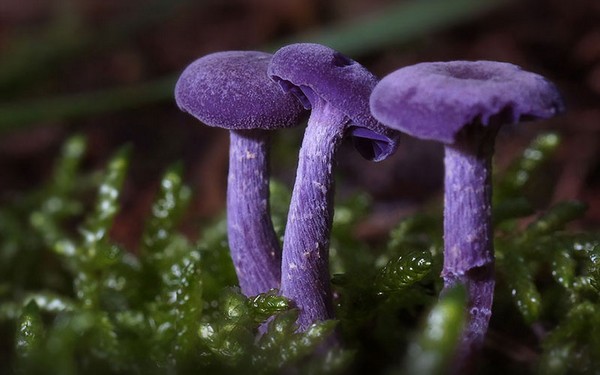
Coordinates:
[461,104]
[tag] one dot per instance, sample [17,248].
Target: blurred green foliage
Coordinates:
[74,301]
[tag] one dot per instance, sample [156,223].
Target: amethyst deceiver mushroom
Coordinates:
[462,105]
[337,90]
[231,90]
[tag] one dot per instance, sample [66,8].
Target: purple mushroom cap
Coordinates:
[307,69]
[436,100]
[231,90]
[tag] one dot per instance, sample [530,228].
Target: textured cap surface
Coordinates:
[312,69]
[436,100]
[232,90]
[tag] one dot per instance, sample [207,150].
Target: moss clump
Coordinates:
[73,301]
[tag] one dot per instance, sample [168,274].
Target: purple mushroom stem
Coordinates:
[337,90]
[255,249]
[231,90]
[305,269]
[462,104]
[468,232]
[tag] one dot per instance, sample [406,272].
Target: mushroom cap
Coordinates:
[436,100]
[232,90]
[307,69]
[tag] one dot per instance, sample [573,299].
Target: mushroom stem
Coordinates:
[468,232]
[254,246]
[305,265]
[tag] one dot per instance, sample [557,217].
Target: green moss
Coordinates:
[73,301]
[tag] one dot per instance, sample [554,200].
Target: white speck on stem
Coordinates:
[320,187]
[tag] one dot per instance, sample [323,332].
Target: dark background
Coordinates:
[106,68]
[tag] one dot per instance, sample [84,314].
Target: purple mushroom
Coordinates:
[337,90]
[462,104]
[231,90]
